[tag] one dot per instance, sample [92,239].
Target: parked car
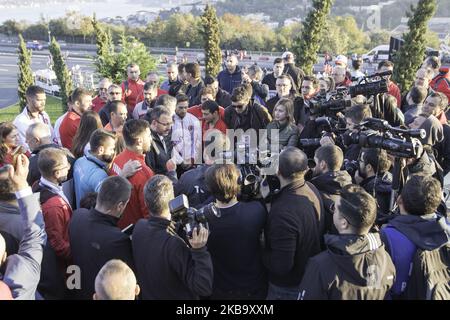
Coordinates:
[34,45]
[377,54]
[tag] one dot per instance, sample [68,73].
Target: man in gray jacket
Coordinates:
[23,269]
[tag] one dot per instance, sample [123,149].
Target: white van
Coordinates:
[377,54]
[46,79]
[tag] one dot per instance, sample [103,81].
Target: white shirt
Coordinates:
[57,125]
[187,137]
[23,121]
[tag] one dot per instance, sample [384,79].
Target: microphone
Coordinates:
[382,74]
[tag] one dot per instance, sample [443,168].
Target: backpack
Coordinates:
[420,274]
[402,251]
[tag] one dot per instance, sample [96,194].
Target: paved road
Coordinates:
[9,70]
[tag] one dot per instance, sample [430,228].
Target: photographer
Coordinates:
[376,179]
[234,242]
[329,179]
[167,268]
[294,226]
[355,264]
[384,105]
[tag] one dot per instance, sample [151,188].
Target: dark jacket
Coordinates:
[105,113]
[270,80]
[193,92]
[329,185]
[192,184]
[236,252]
[380,187]
[223,98]
[34,174]
[296,73]
[353,268]
[255,117]
[287,135]
[431,235]
[443,150]
[94,240]
[157,157]
[167,269]
[228,81]
[384,107]
[292,233]
[260,90]
[177,88]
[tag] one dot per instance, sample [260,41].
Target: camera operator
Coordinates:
[426,163]
[355,264]
[436,104]
[354,116]
[374,165]
[329,179]
[294,226]
[167,268]
[234,242]
[384,105]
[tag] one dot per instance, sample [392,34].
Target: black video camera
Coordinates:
[191,218]
[331,104]
[377,133]
[368,87]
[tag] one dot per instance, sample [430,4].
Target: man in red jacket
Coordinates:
[133,87]
[136,134]
[393,89]
[100,100]
[57,211]
[81,102]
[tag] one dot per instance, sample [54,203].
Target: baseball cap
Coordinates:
[341,60]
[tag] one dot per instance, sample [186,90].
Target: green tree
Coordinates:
[11,28]
[357,39]
[132,50]
[410,56]
[377,38]
[104,61]
[307,46]
[25,75]
[210,32]
[432,39]
[62,73]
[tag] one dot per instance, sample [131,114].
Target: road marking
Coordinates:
[8,65]
[4,70]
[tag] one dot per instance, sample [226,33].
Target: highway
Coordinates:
[9,71]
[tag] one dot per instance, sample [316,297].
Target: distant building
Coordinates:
[438,25]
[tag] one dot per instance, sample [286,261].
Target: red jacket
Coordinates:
[97,104]
[394,91]
[136,208]
[197,112]
[132,93]
[441,83]
[220,125]
[68,129]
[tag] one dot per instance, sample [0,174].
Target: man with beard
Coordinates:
[374,166]
[33,112]
[56,208]
[172,77]
[132,88]
[92,169]
[329,179]
[150,94]
[117,118]
[159,157]
[136,134]
[231,77]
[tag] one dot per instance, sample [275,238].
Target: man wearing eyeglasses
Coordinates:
[100,100]
[160,154]
[245,113]
[356,264]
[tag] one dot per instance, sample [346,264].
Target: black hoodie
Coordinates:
[329,185]
[353,268]
[380,187]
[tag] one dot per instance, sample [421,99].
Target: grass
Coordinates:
[53,107]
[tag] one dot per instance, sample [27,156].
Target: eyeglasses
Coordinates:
[168,124]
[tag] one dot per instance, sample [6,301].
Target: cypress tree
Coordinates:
[25,75]
[410,56]
[210,33]
[104,61]
[308,44]
[62,73]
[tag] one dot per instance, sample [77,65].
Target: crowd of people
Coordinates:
[94,192]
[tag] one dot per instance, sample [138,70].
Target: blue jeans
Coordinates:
[282,293]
